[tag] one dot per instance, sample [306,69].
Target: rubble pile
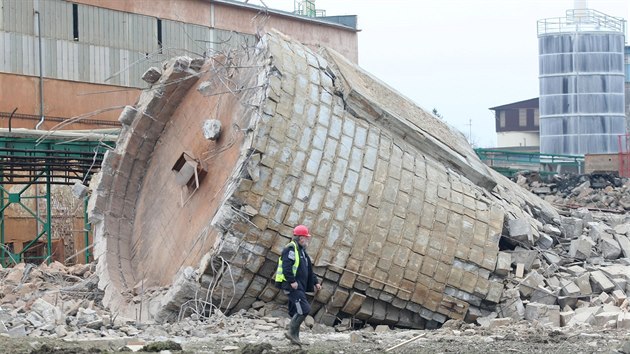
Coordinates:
[593,191]
[568,272]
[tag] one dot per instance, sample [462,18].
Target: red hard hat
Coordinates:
[301,230]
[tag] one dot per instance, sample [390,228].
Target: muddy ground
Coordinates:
[519,338]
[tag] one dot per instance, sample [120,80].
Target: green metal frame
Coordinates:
[503,161]
[27,162]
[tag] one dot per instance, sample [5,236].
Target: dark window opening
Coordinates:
[159,35]
[75,22]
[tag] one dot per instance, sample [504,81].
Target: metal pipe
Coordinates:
[41,72]
[11,117]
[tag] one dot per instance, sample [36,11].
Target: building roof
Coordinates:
[530,103]
[342,22]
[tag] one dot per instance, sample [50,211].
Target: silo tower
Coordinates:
[581,67]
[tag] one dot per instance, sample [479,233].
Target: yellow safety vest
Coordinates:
[279,273]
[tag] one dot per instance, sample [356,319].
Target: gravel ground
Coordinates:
[518,338]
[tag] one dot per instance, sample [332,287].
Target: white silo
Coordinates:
[581,67]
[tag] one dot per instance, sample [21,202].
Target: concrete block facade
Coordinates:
[406,220]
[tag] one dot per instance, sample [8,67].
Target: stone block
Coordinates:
[544,296]
[609,247]
[565,317]
[511,305]
[503,266]
[531,283]
[544,241]
[619,297]
[569,288]
[601,319]
[552,230]
[623,320]
[622,229]
[624,244]
[152,75]
[500,322]
[546,314]
[597,230]
[600,282]
[581,248]
[584,283]
[527,257]
[572,227]
[521,230]
[355,300]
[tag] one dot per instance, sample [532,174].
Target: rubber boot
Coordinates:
[293,332]
[299,321]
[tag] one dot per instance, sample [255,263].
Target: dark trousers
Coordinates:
[298,304]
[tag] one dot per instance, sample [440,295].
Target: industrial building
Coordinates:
[73,65]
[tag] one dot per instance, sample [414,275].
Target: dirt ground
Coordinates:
[513,339]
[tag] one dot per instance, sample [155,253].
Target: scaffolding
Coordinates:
[30,159]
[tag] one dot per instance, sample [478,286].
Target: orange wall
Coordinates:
[61,99]
[239,19]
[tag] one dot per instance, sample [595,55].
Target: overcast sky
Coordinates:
[460,57]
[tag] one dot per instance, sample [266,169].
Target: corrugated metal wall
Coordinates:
[113,47]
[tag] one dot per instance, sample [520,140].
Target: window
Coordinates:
[159,35]
[522,117]
[536,118]
[502,119]
[75,22]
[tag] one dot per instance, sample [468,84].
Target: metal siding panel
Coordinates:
[1,15]
[51,55]
[83,19]
[81,62]
[76,50]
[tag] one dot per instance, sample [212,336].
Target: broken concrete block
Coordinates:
[212,129]
[485,321]
[79,190]
[567,301]
[527,257]
[544,241]
[572,227]
[520,270]
[152,75]
[584,315]
[601,319]
[575,270]
[551,257]
[597,230]
[622,229]
[521,230]
[565,317]
[128,115]
[544,296]
[503,266]
[511,305]
[619,297]
[609,247]
[569,288]
[623,320]
[500,322]
[581,248]
[552,230]
[600,282]
[531,282]
[584,214]
[624,244]
[546,314]
[584,283]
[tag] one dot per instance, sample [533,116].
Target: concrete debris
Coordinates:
[152,75]
[212,129]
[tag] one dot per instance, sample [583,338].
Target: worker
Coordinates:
[295,277]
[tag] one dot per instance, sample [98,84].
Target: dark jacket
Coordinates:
[305,277]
